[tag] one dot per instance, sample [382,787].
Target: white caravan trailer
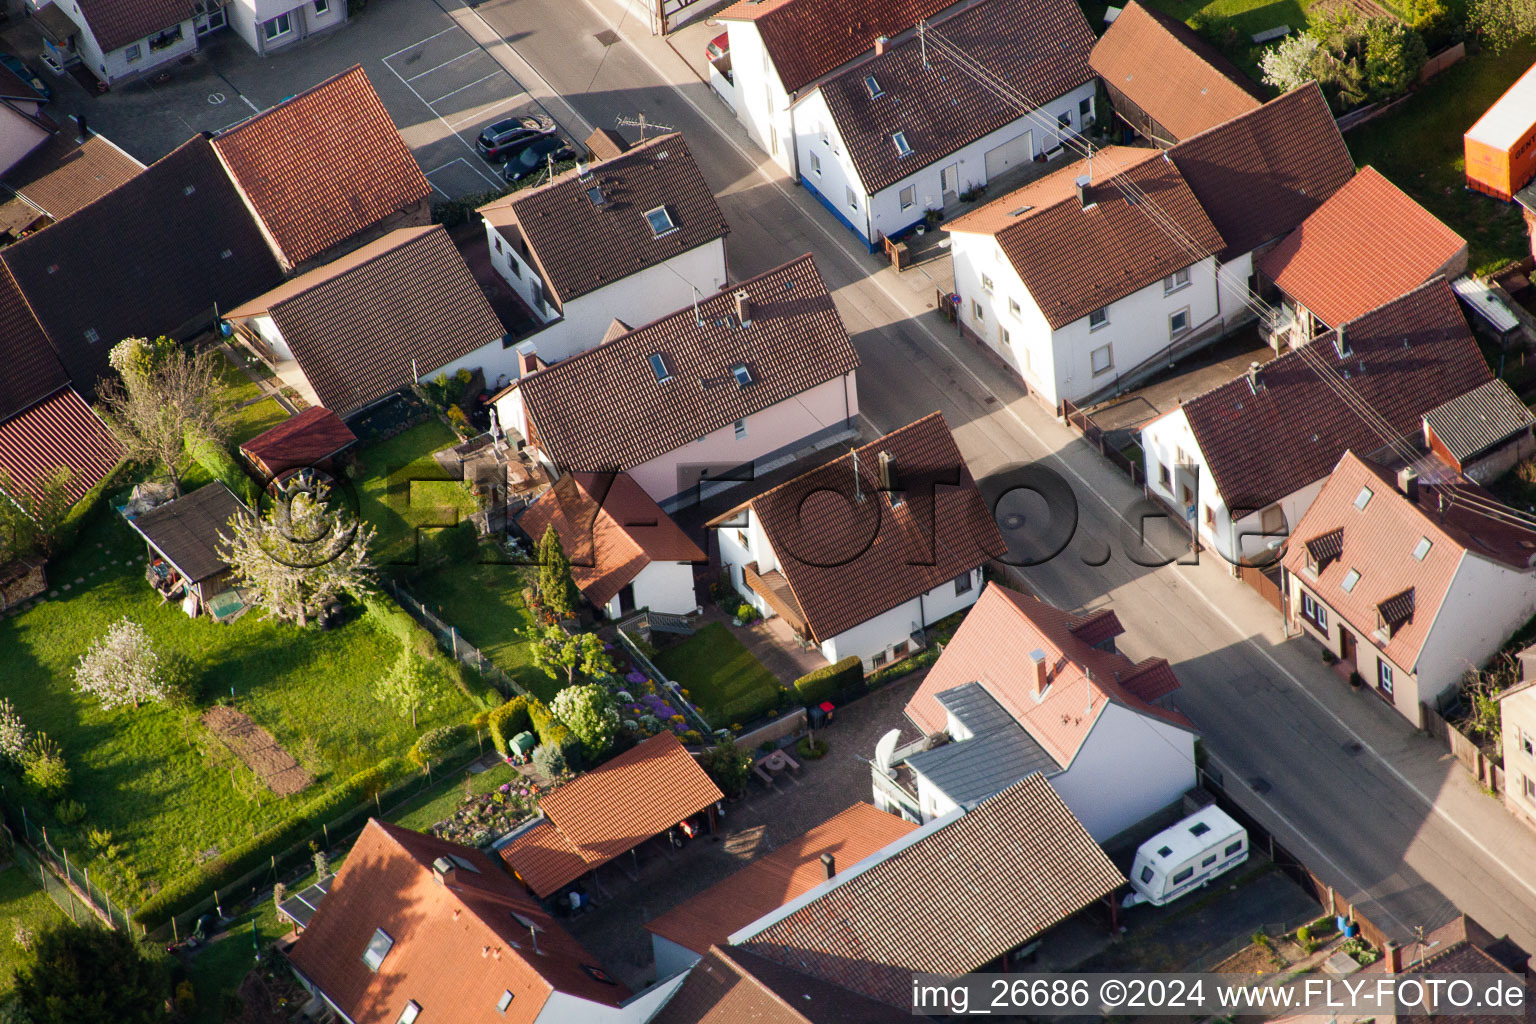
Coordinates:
[1184,857]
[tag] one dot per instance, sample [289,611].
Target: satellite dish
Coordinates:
[886,749]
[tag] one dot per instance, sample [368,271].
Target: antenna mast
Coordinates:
[640,122]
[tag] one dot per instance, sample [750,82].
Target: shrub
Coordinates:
[747,614]
[43,766]
[1304,938]
[69,811]
[436,744]
[834,680]
[219,464]
[507,721]
[589,712]
[550,760]
[13,734]
[1394,54]
[811,748]
[728,767]
[552,733]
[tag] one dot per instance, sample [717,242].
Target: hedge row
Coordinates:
[265,845]
[523,713]
[835,680]
[509,720]
[219,464]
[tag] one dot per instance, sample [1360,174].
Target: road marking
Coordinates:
[248,103]
[587,127]
[418,42]
[215,98]
[484,112]
[444,64]
[840,245]
[471,85]
[440,117]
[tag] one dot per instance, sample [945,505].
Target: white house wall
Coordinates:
[666,587]
[115,65]
[247,18]
[1131,766]
[670,957]
[890,628]
[1485,604]
[762,106]
[494,358]
[564,1008]
[518,272]
[1029,350]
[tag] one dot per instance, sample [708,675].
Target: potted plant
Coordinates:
[932,216]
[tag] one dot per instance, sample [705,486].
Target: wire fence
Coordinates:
[689,711]
[449,638]
[68,884]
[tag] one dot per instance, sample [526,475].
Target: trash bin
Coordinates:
[521,746]
[816,716]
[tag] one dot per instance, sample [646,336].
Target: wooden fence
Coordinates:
[1479,765]
[1267,583]
[1080,421]
[790,725]
[1442,60]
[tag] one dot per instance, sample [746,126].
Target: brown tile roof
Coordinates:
[609,810]
[1260,174]
[1075,259]
[64,175]
[580,245]
[734,986]
[604,411]
[1379,542]
[610,529]
[947,898]
[117,23]
[939,110]
[776,878]
[310,188]
[823,536]
[1177,78]
[605,143]
[457,947]
[189,531]
[59,431]
[180,269]
[32,371]
[1365,246]
[808,38]
[1261,446]
[993,647]
[1097,627]
[356,324]
[311,437]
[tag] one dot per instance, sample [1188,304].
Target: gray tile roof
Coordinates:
[187,531]
[999,753]
[1476,421]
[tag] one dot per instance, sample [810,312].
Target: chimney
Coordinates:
[1253,377]
[442,870]
[1408,483]
[1083,181]
[82,133]
[1042,673]
[1394,957]
[829,865]
[887,477]
[744,307]
[527,358]
[1341,342]
[882,43]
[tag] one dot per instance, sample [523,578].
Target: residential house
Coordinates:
[965,892]
[271,25]
[313,198]
[66,173]
[730,985]
[400,309]
[1363,247]
[187,540]
[314,438]
[1077,288]
[886,139]
[119,41]
[1517,729]
[21,133]
[1481,434]
[416,926]
[862,554]
[1024,687]
[636,235]
[1164,80]
[702,925]
[781,48]
[625,552]
[702,399]
[180,275]
[1244,460]
[608,811]
[1409,582]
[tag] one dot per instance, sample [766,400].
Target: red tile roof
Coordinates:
[776,878]
[64,175]
[1260,174]
[604,411]
[116,23]
[937,109]
[993,647]
[307,439]
[947,898]
[1177,78]
[580,246]
[32,371]
[1260,446]
[1365,246]
[609,810]
[610,529]
[1378,542]
[59,431]
[734,986]
[824,535]
[1077,258]
[806,39]
[358,324]
[322,166]
[457,947]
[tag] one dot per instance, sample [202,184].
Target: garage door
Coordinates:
[1015,151]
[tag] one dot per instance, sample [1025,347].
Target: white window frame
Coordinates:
[1175,281]
[741,429]
[1103,314]
[133,51]
[907,197]
[1384,677]
[1002,337]
[1015,308]
[903,147]
[284,19]
[1109,360]
[1528,743]
[322,7]
[665,215]
[816,164]
[853,200]
[1179,332]
[986,283]
[978,311]
[1314,611]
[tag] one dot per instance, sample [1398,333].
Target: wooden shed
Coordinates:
[1501,146]
[185,562]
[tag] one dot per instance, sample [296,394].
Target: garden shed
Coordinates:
[184,540]
[313,438]
[1501,146]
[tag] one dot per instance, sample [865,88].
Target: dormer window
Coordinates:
[742,374]
[903,148]
[378,948]
[873,87]
[1363,498]
[661,221]
[660,368]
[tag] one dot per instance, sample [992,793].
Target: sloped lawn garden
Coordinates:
[721,676]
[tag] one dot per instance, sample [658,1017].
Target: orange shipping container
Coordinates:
[1501,147]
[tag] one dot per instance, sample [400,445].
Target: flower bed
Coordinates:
[481,819]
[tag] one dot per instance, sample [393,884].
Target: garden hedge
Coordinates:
[554,732]
[216,460]
[509,720]
[845,676]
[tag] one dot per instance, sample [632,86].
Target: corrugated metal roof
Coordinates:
[1479,298]
[60,431]
[1480,419]
[186,531]
[999,754]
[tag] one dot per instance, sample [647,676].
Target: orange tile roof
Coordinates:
[778,877]
[993,646]
[322,166]
[733,986]
[1365,246]
[1176,77]
[609,810]
[457,947]
[300,441]
[60,431]
[610,529]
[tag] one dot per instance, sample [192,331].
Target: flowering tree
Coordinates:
[555,652]
[13,734]
[121,668]
[1289,63]
[589,712]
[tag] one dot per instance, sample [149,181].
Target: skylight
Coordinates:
[378,948]
[742,374]
[873,87]
[1363,498]
[595,194]
[505,1001]
[410,1013]
[660,220]
[660,368]
[903,148]
[461,862]
[1422,548]
[1350,579]
[1199,828]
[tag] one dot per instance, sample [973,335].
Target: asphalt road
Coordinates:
[1379,811]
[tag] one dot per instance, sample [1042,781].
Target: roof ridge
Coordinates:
[1300,89]
[512,199]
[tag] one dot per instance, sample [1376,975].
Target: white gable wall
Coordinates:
[1030,348]
[1130,766]
[1485,604]
[762,105]
[114,65]
[885,631]
[661,587]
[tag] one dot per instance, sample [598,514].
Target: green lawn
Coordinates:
[483,600]
[1248,17]
[141,774]
[21,902]
[401,490]
[251,416]
[424,811]
[721,676]
[1419,146]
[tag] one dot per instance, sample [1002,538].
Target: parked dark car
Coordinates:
[535,155]
[504,138]
[18,67]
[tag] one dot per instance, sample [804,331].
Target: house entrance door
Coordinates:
[949,181]
[627,599]
[1346,646]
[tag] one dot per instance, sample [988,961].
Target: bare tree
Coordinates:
[165,399]
[121,668]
